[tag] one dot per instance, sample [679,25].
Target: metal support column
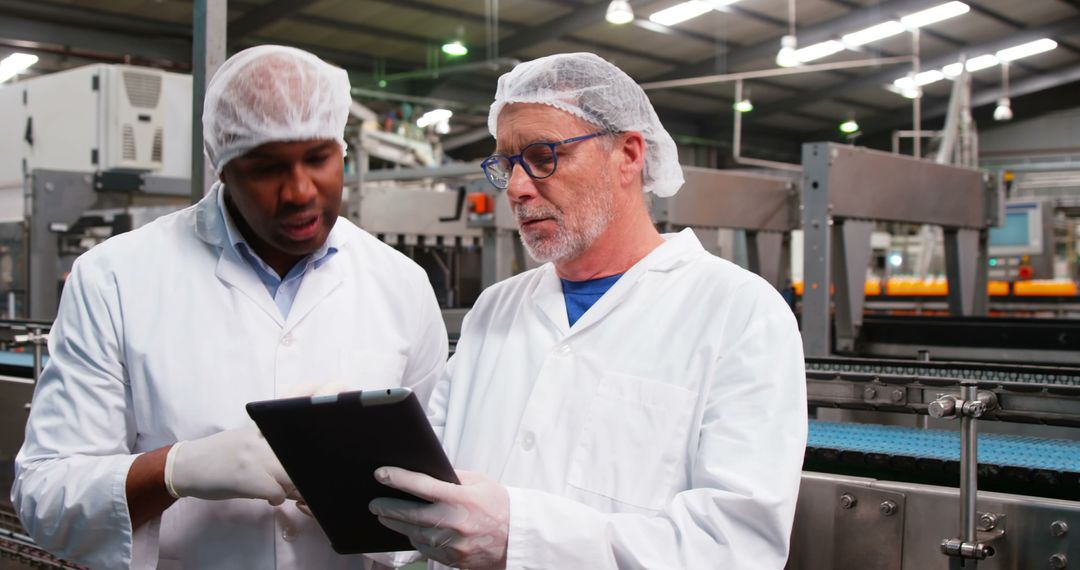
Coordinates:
[210,20]
[965,270]
[816,255]
[767,255]
[852,241]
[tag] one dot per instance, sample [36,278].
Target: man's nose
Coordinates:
[521,187]
[298,187]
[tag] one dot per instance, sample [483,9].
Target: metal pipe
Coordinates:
[491,65]
[209,23]
[916,104]
[35,336]
[11,305]
[736,144]
[725,77]
[969,473]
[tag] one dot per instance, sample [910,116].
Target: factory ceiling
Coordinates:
[392,50]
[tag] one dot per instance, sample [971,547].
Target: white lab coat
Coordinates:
[665,429]
[163,334]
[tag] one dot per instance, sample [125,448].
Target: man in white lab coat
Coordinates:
[633,403]
[138,450]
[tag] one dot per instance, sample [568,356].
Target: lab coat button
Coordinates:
[287,340]
[289,533]
[564,349]
[528,441]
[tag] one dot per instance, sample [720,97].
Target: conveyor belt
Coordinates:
[1011,464]
[992,373]
[999,450]
[22,359]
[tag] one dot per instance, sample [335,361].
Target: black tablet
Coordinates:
[331,445]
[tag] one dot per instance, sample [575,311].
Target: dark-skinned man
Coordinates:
[138,450]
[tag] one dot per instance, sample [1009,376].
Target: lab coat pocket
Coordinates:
[633,440]
[371,369]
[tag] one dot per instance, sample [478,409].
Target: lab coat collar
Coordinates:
[676,251]
[318,283]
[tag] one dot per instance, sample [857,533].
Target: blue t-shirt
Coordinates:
[580,295]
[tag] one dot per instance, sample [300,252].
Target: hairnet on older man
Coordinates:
[272,94]
[588,87]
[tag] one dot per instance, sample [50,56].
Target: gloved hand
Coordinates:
[466,525]
[232,464]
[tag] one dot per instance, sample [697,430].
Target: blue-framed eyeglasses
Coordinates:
[537,159]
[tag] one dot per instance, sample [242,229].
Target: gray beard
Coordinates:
[594,214]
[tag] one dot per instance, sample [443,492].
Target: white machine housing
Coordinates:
[93,118]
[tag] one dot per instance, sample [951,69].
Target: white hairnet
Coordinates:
[585,85]
[270,94]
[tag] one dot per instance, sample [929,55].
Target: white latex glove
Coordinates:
[232,464]
[466,526]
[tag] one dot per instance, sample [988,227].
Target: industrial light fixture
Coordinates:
[786,57]
[907,86]
[873,33]
[818,50]
[455,49]
[1026,50]
[935,14]
[1003,111]
[439,118]
[15,64]
[918,80]
[788,44]
[880,31]
[849,127]
[974,64]
[744,105]
[687,10]
[619,12]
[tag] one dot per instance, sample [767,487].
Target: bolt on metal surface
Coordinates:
[1059,561]
[848,501]
[1059,528]
[888,508]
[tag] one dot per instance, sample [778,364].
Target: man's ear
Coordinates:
[631,150]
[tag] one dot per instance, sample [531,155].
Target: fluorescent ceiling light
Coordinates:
[935,14]
[744,106]
[973,64]
[619,12]
[433,117]
[687,10]
[849,126]
[1028,49]
[924,78]
[818,50]
[14,64]
[874,33]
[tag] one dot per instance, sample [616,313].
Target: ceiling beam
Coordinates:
[885,77]
[135,45]
[262,16]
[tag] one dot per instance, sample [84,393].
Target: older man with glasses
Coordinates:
[635,402]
